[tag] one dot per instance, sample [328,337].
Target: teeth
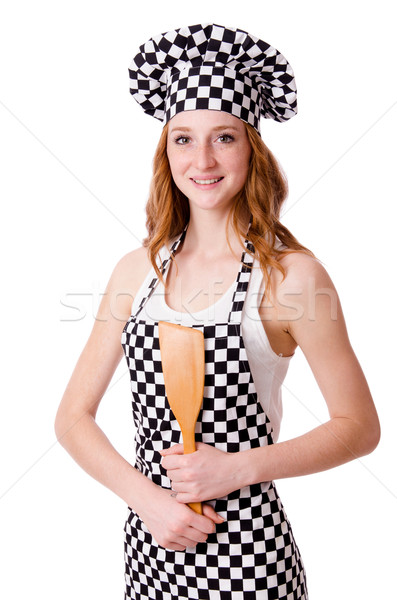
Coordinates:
[206,181]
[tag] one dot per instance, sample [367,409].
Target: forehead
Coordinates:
[205,118]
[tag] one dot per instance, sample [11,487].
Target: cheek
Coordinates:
[176,162]
[245,163]
[241,166]
[246,156]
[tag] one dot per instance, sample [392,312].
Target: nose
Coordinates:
[204,157]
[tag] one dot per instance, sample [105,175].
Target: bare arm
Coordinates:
[75,424]
[173,525]
[319,329]
[353,428]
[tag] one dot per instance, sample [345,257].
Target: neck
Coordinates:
[207,235]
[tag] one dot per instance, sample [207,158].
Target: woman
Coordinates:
[218,259]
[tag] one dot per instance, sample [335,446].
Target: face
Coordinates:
[208,152]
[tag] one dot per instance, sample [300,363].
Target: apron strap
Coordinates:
[241,285]
[163,268]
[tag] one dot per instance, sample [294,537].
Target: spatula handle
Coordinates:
[196,506]
[189,446]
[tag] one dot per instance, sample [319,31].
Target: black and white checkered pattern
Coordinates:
[252,554]
[213,67]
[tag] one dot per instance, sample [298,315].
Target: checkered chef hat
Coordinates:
[213,67]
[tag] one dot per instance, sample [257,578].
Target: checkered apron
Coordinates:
[252,554]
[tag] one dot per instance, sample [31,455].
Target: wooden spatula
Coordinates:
[182,358]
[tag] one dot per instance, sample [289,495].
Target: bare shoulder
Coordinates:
[305,278]
[299,266]
[307,305]
[125,281]
[132,268]
[306,291]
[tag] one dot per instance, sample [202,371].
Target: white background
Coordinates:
[76,155]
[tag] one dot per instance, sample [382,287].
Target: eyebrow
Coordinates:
[218,128]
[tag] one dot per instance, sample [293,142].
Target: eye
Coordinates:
[181,140]
[226,138]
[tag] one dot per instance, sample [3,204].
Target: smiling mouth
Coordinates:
[206,181]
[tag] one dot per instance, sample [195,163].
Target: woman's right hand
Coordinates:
[176,526]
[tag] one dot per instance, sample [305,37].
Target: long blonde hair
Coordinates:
[261,199]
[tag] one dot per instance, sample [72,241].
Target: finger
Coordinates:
[171,463]
[175,547]
[192,539]
[209,512]
[173,460]
[176,475]
[196,535]
[183,497]
[204,522]
[197,527]
[180,493]
[175,449]
[200,445]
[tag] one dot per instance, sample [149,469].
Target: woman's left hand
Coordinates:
[206,474]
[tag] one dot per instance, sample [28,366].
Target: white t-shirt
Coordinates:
[268,369]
